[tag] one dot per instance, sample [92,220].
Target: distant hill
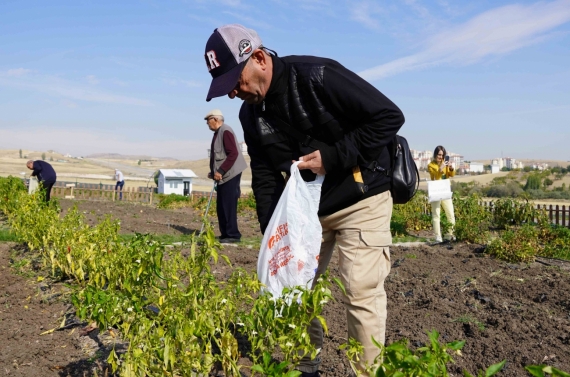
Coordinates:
[118,156]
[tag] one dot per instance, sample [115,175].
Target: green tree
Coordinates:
[50,158]
[527,169]
[43,156]
[138,163]
[156,174]
[533,182]
[20,153]
[547,182]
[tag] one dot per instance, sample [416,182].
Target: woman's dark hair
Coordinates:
[438,149]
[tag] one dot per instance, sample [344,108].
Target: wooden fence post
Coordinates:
[557,215]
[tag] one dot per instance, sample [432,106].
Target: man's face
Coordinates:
[30,165]
[213,123]
[251,87]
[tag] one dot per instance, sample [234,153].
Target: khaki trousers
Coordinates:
[447,205]
[362,233]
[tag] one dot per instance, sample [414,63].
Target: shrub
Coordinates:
[556,241]
[516,245]
[511,189]
[533,182]
[247,204]
[512,212]
[472,220]
[410,216]
[173,201]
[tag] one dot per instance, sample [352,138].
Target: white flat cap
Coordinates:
[215,112]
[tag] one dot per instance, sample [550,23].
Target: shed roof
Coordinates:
[178,173]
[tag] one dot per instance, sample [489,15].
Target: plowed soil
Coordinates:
[516,312]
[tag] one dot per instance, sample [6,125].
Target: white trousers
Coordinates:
[447,205]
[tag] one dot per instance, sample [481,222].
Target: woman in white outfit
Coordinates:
[439,168]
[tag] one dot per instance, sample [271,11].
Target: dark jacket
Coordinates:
[351,120]
[44,172]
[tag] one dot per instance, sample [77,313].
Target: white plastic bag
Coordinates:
[33,185]
[439,190]
[290,247]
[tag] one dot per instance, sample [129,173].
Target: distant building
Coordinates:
[499,162]
[476,167]
[422,163]
[243,146]
[495,168]
[510,163]
[175,181]
[455,159]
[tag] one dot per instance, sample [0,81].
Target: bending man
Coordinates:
[315,110]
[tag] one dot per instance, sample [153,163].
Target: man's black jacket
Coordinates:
[44,171]
[351,120]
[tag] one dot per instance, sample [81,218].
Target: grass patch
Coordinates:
[6,235]
[163,238]
[408,238]
[469,319]
[252,242]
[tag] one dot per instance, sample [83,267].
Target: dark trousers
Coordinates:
[46,186]
[119,186]
[226,207]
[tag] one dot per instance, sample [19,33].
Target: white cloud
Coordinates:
[17,72]
[495,32]
[91,79]
[61,88]
[364,13]
[79,142]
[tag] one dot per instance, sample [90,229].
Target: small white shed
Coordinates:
[495,169]
[175,181]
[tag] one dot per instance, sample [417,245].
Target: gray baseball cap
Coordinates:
[227,51]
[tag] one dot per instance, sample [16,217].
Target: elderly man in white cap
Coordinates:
[120,183]
[226,165]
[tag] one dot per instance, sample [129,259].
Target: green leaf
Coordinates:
[380,372]
[559,373]
[293,373]
[535,370]
[258,369]
[340,285]
[495,368]
[456,345]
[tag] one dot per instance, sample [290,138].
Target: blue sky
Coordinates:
[483,78]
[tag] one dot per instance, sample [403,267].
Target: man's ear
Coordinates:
[259,57]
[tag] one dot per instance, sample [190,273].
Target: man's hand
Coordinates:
[313,162]
[217,176]
[209,175]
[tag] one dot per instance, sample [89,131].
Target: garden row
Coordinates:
[513,230]
[177,317]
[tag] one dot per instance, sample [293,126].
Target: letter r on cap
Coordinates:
[212,60]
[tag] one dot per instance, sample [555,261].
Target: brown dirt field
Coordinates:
[29,308]
[504,311]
